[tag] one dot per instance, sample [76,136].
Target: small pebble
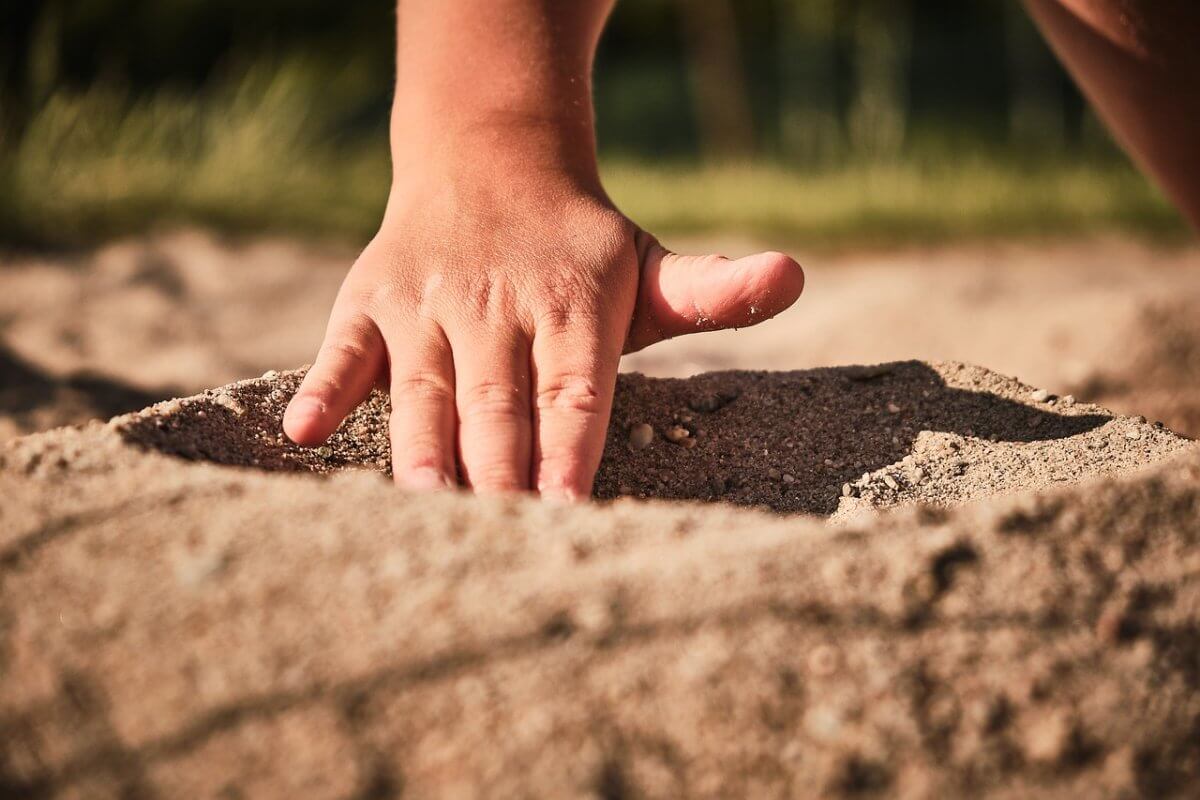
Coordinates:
[1133,436]
[774,474]
[640,436]
[1039,395]
[1068,401]
[847,490]
[270,375]
[230,402]
[789,478]
[891,482]
[893,408]
[677,434]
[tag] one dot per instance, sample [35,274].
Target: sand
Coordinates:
[916,579]
[969,586]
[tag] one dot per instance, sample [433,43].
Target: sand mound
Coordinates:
[177,629]
[807,441]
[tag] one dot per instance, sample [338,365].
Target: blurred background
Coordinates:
[183,183]
[827,121]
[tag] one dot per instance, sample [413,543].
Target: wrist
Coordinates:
[488,147]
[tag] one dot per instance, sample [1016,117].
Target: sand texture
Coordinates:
[1026,625]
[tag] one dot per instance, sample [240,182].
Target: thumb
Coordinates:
[689,294]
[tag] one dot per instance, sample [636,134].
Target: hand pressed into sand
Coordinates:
[496,315]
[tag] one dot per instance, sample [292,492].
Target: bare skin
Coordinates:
[503,285]
[1138,61]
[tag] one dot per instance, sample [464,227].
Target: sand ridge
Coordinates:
[174,627]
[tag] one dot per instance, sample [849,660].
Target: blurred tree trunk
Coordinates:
[1036,114]
[18,22]
[877,119]
[810,130]
[720,100]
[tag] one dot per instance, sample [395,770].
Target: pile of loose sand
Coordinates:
[177,628]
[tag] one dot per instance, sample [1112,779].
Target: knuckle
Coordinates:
[494,399]
[565,319]
[352,349]
[421,386]
[576,393]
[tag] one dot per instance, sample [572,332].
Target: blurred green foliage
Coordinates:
[826,121]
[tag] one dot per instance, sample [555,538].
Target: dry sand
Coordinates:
[918,579]
[174,627]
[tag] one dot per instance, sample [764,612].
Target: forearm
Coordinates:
[1139,64]
[510,77]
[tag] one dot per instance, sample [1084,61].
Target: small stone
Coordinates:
[677,434]
[640,436]
[891,482]
[918,475]
[893,408]
[230,402]
[788,478]
[1133,436]
[1039,395]
[847,490]
[1068,401]
[325,452]
[774,474]
[270,375]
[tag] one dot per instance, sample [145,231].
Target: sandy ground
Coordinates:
[175,627]
[186,610]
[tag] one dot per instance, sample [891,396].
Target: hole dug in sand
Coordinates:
[824,441]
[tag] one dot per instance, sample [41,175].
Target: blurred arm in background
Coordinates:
[1138,61]
[503,285]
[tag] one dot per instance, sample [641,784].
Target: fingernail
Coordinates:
[424,479]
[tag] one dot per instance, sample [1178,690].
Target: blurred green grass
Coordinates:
[259,154]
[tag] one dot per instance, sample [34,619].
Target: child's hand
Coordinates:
[495,302]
